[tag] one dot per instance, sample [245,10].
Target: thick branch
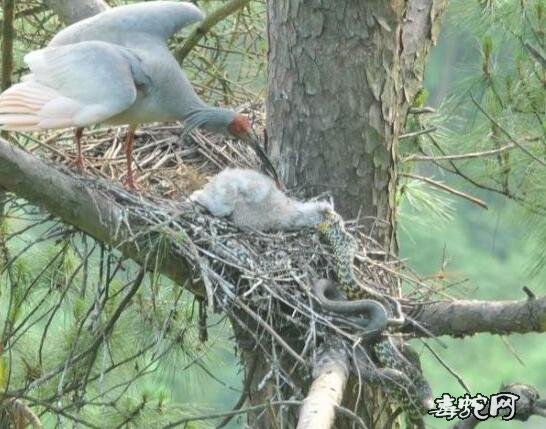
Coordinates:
[460,318]
[70,11]
[78,204]
[210,21]
[326,392]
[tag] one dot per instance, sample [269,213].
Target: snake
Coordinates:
[399,370]
[330,298]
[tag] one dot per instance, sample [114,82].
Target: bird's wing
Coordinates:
[132,25]
[72,86]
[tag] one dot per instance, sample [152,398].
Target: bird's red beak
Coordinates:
[240,127]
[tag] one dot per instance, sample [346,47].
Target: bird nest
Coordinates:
[260,280]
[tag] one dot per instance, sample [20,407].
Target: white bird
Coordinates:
[252,200]
[116,68]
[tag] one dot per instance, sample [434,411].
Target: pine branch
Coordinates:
[446,188]
[461,156]
[505,132]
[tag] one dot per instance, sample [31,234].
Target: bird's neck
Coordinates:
[179,98]
[214,119]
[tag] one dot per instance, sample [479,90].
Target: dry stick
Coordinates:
[447,367]
[27,12]
[262,323]
[421,110]
[446,188]
[417,133]
[342,410]
[246,389]
[506,133]
[210,21]
[461,156]
[511,350]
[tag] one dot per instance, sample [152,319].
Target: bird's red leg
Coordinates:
[79,162]
[129,181]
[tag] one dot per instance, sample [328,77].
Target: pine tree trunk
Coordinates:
[342,76]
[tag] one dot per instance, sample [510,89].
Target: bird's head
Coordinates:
[240,127]
[227,121]
[223,121]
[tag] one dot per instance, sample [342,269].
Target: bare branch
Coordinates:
[326,392]
[461,156]
[421,110]
[536,53]
[446,188]
[77,203]
[417,133]
[204,27]
[178,423]
[468,317]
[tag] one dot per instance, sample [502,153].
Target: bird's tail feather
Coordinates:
[31,106]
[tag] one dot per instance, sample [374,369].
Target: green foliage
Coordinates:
[485,55]
[60,293]
[421,98]
[56,310]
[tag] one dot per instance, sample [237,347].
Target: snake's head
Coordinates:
[330,219]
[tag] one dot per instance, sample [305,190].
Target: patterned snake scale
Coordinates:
[400,374]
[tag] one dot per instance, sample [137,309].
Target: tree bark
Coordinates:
[71,11]
[341,78]
[7,42]
[330,375]
[468,317]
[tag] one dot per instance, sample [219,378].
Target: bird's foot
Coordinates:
[79,164]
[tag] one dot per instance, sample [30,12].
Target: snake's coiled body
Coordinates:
[400,374]
[330,298]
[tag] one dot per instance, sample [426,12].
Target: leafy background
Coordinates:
[486,254]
